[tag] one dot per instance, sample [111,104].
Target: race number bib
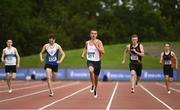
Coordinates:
[167,62]
[9,58]
[52,59]
[134,57]
[91,54]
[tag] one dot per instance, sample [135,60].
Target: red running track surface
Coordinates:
[76,95]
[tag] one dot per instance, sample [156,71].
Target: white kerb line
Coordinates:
[155,97]
[34,93]
[13,85]
[33,86]
[66,97]
[177,83]
[170,87]
[112,96]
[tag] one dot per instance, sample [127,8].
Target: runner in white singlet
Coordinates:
[11,59]
[93,50]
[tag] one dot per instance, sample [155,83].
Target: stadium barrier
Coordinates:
[83,74]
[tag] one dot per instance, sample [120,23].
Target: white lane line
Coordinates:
[170,108]
[14,85]
[66,97]
[170,87]
[27,87]
[177,83]
[23,88]
[34,93]
[112,96]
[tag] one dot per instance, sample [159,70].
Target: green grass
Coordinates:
[111,58]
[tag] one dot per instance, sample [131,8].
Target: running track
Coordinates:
[76,95]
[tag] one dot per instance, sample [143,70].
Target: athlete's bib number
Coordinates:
[167,62]
[52,59]
[9,58]
[134,57]
[91,54]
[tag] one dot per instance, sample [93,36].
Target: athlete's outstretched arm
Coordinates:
[41,53]
[84,50]
[175,57]
[127,49]
[18,58]
[2,57]
[161,58]
[62,53]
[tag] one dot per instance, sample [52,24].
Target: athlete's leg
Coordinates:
[13,76]
[133,79]
[91,70]
[138,79]
[54,76]
[49,74]
[138,73]
[96,80]
[166,78]
[8,78]
[170,79]
[96,84]
[171,75]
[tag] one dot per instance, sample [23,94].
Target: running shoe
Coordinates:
[10,91]
[92,89]
[95,93]
[132,90]
[169,92]
[51,94]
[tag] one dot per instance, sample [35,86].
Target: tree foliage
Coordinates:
[29,22]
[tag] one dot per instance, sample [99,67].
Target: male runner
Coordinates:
[52,49]
[93,50]
[167,60]
[136,52]
[11,59]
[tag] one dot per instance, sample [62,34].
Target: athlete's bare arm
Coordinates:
[41,53]
[126,51]
[99,46]
[176,60]
[18,58]
[2,57]
[84,50]
[140,53]
[62,53]
[161,58]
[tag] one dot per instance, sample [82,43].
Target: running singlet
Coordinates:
[52,54]
[167,59]
[93,53]
[10,56]
[133,56]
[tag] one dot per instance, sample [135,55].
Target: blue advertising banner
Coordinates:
[117,74]
[2,74]
[83,74]
[21,73]
[77,74]
[40,73]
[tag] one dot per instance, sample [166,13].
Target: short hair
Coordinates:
[134,35]
[93,29]
[52,36]
[9,39]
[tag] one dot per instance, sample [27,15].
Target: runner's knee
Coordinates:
[91,69]
[132,72]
